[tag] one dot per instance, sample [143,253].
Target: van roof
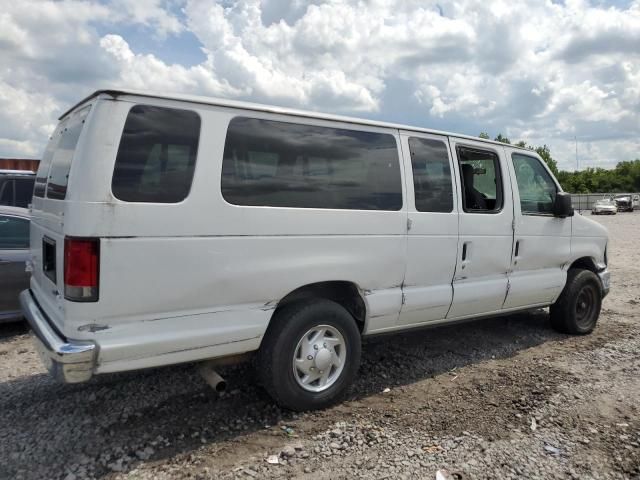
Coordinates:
[275,109]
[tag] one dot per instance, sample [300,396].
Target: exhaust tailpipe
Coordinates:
[212,378]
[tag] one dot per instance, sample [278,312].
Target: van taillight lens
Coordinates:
[81,269]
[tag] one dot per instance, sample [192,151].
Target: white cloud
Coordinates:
[19,148]
[25,119]
[146,72]
[152,13]
[539,71]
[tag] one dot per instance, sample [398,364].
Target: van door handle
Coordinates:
[465,254]
[517,251]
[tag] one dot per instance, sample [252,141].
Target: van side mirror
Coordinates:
[562,205]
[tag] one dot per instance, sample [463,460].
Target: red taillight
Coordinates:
[81,269]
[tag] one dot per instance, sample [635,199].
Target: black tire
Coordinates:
[276,354]
[577,309]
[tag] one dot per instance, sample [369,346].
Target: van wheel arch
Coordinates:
[345,293]
[584,263]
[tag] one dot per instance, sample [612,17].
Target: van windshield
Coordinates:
[53,172]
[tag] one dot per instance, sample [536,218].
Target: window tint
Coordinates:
[157,155]
[431,175]
[279,164]
[14,232]
[481,180]
[6,191]
[24,191]
[537,188]
[61,157]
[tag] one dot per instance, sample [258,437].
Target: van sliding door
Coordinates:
[433,231]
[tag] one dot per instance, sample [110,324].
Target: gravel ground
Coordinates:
[496,399]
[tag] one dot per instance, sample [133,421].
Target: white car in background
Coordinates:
[604,206]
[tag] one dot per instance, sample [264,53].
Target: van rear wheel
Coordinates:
[577,309]
[309,355]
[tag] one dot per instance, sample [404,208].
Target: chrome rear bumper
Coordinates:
[69,361]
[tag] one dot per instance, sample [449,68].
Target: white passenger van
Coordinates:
[169,229]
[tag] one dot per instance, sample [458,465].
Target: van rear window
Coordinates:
[53,172]
[157,155]
[280,164]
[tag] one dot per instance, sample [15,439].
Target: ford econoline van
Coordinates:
[169,229]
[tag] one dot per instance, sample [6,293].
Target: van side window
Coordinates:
[481,180]
[157,155]
[537,188]
[280,164]
[431,175]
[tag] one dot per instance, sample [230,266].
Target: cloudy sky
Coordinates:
[535,70]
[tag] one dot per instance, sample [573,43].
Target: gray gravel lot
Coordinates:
[501,398]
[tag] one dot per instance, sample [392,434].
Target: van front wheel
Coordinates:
[577,309]
[309,355]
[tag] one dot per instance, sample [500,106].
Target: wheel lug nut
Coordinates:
[310,357]
[315,347]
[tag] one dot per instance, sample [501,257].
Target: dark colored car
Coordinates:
[14,252]
[624,203]
[16,187]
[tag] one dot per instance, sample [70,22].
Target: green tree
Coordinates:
[502,139]
[484,135]
[545,154]
[625,177]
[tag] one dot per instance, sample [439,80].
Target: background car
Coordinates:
[16,187]
[604,206]
[624,203]
[14,252]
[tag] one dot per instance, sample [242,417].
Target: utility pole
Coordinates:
[576,140]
